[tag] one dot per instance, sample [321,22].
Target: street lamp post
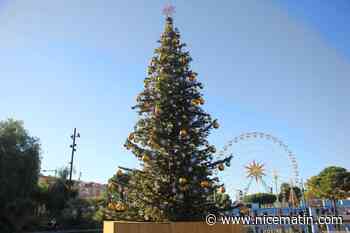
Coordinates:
[73,145]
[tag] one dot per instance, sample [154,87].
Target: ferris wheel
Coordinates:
[256,170]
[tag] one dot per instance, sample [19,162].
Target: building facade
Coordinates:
[86,190]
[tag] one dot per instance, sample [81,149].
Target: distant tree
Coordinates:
[285,192]
[69,210]
[331,183]
[19,171]
[63,174]
[59,193]
[78,213]
[260,198]
[40,197]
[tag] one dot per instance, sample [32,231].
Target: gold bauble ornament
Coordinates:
[192,78]
[156,146]
[183,60]
[195,102]
[182,180]
[184,187]
[205,184]
[222,189]
[216,125]
[128,146]
[118,206]
[121,207]
[119,172]
[146,105]
[198,101]
[145,158]
[221,167]
[110,185]
[131,136]
[183,133]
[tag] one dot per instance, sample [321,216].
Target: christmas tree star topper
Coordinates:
[169,10]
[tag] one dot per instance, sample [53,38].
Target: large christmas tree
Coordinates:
[177,179]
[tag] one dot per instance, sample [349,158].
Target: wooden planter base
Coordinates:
[171,227]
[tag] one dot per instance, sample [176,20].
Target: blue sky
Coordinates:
[274,66]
